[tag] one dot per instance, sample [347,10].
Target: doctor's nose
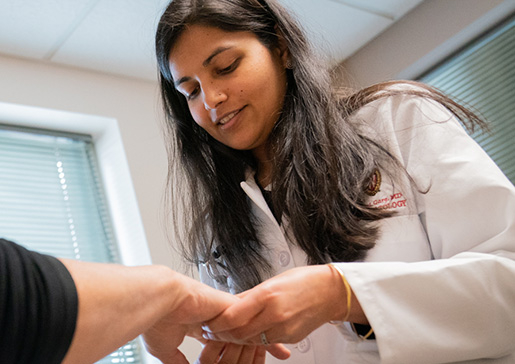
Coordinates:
[213,98]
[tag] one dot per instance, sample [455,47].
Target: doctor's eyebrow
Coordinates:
[215,53]
[206,63]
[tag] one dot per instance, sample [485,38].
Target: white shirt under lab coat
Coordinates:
[439,286]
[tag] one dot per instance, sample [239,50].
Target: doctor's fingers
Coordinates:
[282,320]
[237,315]
[228,353]
[244,334]
[266,329]
[277,350]
[211,352]
[251,354]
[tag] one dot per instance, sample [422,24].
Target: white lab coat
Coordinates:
[439,286]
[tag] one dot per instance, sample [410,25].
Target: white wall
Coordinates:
[421,39]
[132,102]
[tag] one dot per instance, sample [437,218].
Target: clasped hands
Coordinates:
[233,329]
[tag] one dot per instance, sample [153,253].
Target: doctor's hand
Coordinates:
[285,308]
[215,352]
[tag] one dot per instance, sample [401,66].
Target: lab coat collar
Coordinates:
[252,190]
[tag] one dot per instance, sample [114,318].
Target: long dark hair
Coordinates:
[322,164]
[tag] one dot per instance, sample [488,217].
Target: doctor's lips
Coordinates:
[224,119]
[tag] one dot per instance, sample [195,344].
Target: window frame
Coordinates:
[114,170]
[452,45]
[486,43]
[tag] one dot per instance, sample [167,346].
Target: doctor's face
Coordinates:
[234,85]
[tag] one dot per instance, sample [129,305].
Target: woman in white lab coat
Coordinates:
[275,171]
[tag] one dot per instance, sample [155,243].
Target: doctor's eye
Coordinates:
[230,68]
[193,94]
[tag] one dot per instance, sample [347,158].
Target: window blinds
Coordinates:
[483,76]
[51,201]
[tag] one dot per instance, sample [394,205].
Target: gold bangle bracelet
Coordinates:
[347,290]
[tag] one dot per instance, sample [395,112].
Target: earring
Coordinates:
[288,64]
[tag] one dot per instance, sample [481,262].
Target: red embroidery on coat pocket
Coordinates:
[394,201]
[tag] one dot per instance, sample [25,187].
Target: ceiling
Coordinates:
[116,36]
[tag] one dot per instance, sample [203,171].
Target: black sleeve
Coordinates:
[38,307]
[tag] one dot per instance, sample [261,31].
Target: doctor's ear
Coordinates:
[282,48]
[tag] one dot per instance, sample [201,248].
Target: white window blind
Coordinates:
[52,201]
[482,75]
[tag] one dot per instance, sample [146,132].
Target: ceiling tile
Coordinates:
[116,37]
[32,28]
[392,9]
[335,29]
